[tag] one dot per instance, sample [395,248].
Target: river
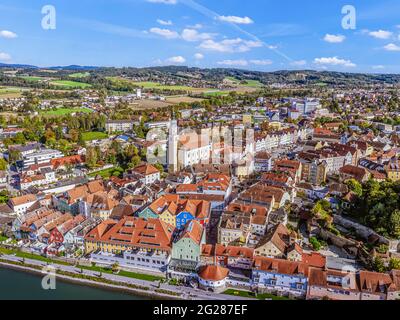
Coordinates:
[26,286]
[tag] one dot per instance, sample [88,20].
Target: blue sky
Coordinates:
[260,35]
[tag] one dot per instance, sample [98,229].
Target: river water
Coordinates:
[26,286]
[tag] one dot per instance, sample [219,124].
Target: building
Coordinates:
[234,257]
[279,242]
[213,278]
[119,126]
[393,171]
[132,243]
[21,204]
[41,156]
[148,174]
[186,250]
[282,276]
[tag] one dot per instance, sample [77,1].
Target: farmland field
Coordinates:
[10,92]
[79,75]
[94,135]
[32,79]
[155,85]
[65,111]
[249,83]
[70,84]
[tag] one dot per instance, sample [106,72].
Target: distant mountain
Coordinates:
[73,68]
[68,68]
[17,66]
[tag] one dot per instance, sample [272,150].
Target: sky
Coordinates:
[263,35]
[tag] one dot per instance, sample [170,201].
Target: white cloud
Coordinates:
[163,1]
[230,45]
[392,47]
[199,56]
[165,22]
[196,26]
[334,61]
[378,67]
[193,35]
[298,63]
[176,60]
[235,19]
[272,47]
[166,33]
[264,62]
[7,34]
[5,57]
[240,63]
[381,34]
[331,38]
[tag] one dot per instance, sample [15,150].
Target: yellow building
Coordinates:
[393,171]
[168,217]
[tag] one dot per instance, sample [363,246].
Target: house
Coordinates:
[148,173]
[379,286]
[282,276]
[331,284]
[132,243]
[186,249]
[119,126]
[21,204]
[177,212]
[234,257]
[393,171]
[263,162]
[277,243]
[213,278]
[352,172]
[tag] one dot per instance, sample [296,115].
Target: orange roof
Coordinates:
[280,266]
[146,169]
[71,160]
[227,251]
[134,232]
[213,273]
[194,231]
[175,205]
[17,201]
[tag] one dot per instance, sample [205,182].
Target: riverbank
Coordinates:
[151,295]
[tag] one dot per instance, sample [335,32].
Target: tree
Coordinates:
[355,186]
[91,157]
[394,263]
[378,265]
[395,223]
[134,162]
[315,243]
[3,164]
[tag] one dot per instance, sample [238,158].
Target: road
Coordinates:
[186,292]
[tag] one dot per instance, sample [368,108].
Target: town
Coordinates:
[251,191]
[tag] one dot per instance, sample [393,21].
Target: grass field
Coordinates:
[65,111]
[79,75]
[249,83]
[70,84]
[123,273]
[10,92]
[155,85]
[89,136]
[105,174]
[32,79]
[216,93]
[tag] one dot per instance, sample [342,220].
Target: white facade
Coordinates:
[42,156]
